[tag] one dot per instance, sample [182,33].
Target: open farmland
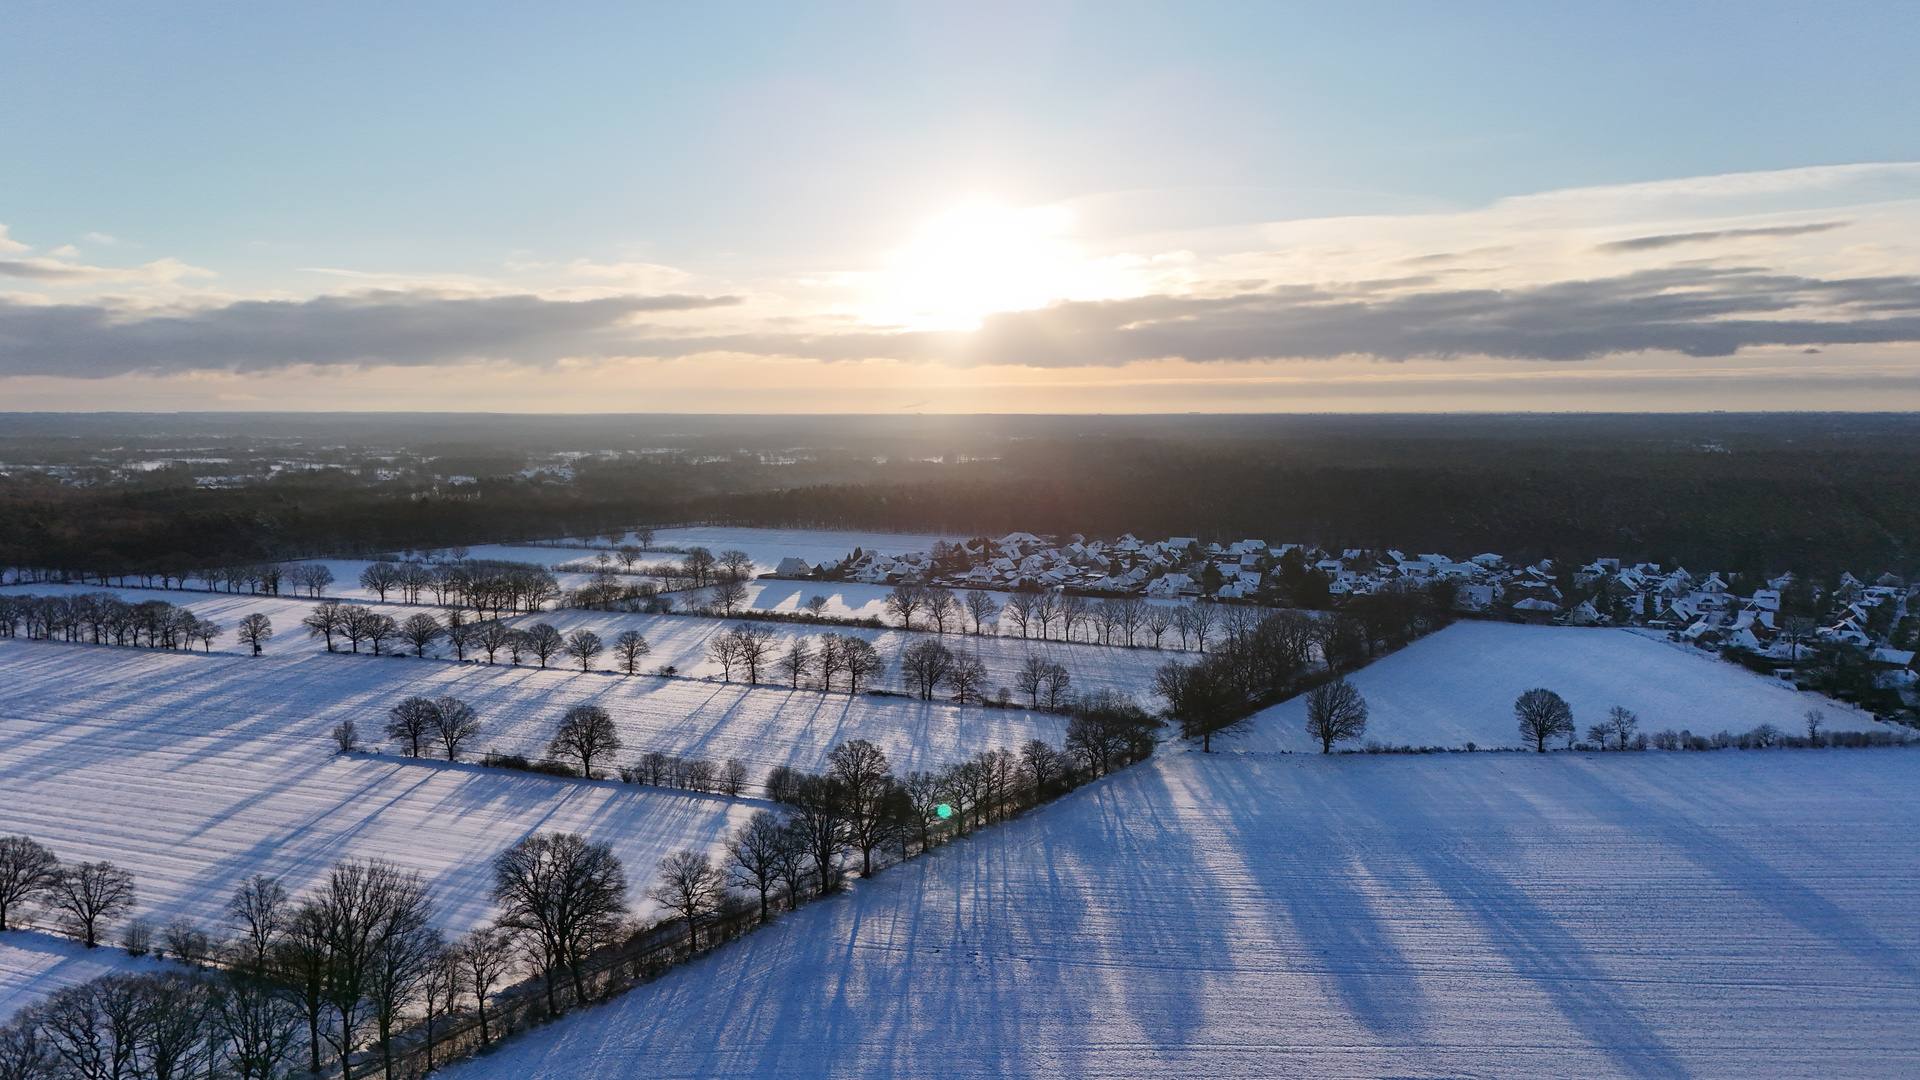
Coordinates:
[194,771]
[1458,686]
[1629,915]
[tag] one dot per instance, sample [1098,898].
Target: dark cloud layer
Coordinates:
[91,341]
[1696,311]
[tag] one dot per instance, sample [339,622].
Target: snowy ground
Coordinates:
[1458,686]
[1735,914]
[36,962]
[195,771]
[681,640]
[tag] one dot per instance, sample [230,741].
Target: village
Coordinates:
[1769,623]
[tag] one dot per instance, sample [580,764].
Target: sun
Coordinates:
[982,257]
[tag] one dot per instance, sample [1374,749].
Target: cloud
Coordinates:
[398,328]
[54,271]
[1649,243]
[1695,311]
[7,243]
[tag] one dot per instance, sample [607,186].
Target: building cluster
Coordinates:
[1779,620]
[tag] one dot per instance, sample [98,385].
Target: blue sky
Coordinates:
[806,168]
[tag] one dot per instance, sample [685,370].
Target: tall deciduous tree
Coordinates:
[28,873]
[586,733]
[91,895]
[254,631]
[565,896]
[688,883]
[1335,713]
[1542,714]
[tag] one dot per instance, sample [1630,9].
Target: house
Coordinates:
[1172,585]
[793,567]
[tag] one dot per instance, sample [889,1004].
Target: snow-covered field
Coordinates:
[36,962]
[1458,686]
[195,771]
[1734,914]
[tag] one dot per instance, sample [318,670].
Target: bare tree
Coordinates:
[28,873]
[565,895]
[1158,619]
[1030,678]
[1042,764]
[755,650]
[924,665]
[92,895]
[254,631]
[860,774]
[1815,720]
[345,736]
[1621,723]
[1046,609]
[406,950]
[584,645]
[820,825]
[734,565]
[445,982]
[942,606]
[629,647]
[586,733]
[421,630]
[729,594]
[1020,609]
[1202,617]
[732,778]
[257,1024]
[754,854]
[1105,618]
[492,636]
[862,662]
[831,659]
[380,578]
[1542,714]
[326,620]
[796,662]
[1201,700]
[724,649]
[486,956]
[690,884]
[1055,685]
[454,724]
[207,631]
[258,911]
[1131,613]
[459,635]
[980,607]
[814,606]
[362,909]
[411,723]
[903,601]
[1335,713]
[967,679]
[544,642]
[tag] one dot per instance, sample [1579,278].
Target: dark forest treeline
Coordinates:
[1743,494]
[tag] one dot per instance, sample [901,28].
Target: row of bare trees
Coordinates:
[754,653]
[105,619]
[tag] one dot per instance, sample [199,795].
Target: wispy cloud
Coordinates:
[1649,243]
[57,271]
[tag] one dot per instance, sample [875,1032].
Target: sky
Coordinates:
[1039,206]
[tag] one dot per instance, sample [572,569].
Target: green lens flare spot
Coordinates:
[943,810]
